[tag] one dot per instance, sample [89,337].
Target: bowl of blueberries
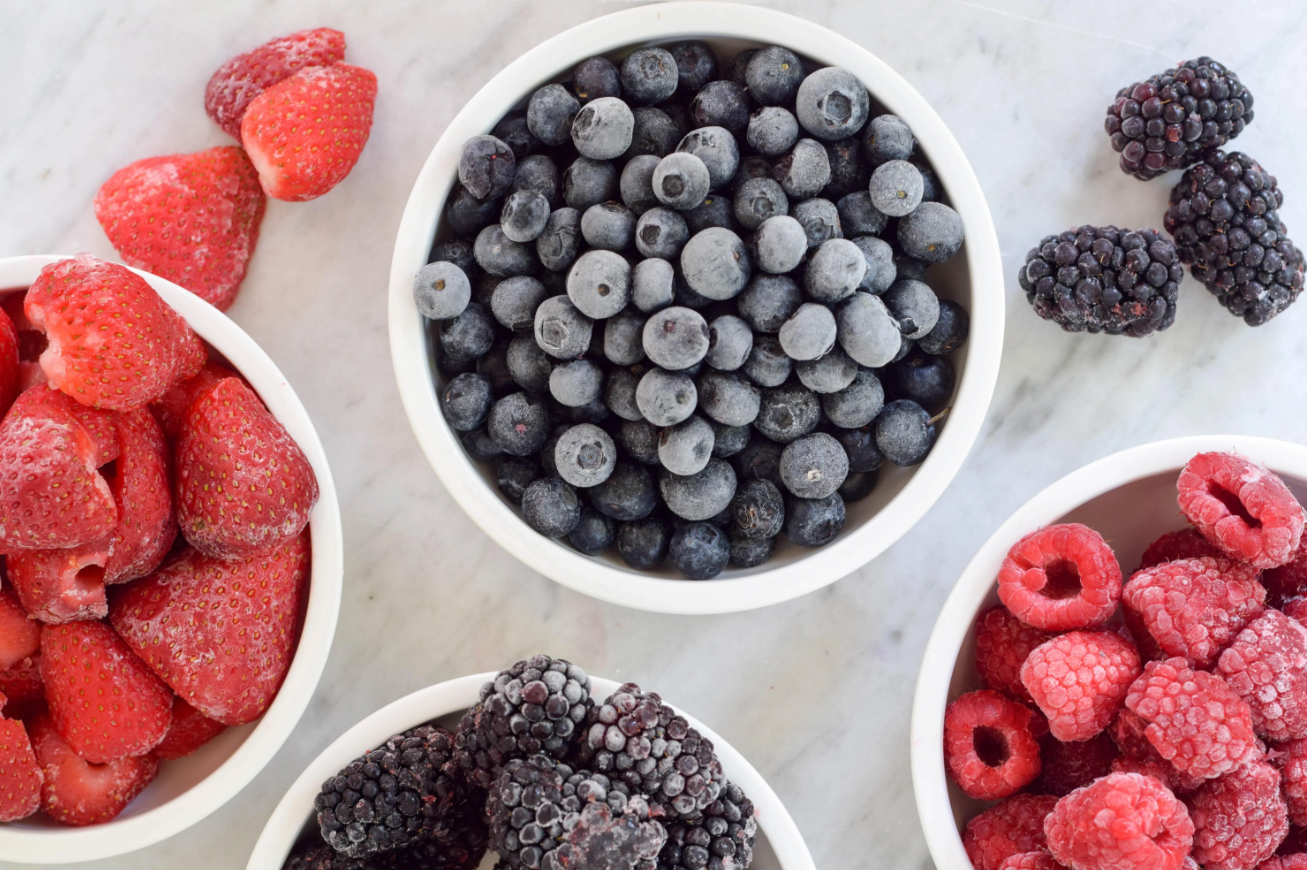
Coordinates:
[696,292]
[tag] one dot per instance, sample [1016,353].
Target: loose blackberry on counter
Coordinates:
[721,840]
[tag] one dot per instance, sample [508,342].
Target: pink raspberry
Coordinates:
[1195,720]
[1187,543]
[1295,608]
[1288,581]
[1061,577]
[988,747]
[1239,819]
[1016,825]
[1079,680]
[1138,755]
[1069,766]
[1040,860]
[1123,821]
[1292,758]
[1267,666]
[1295,861]
[1241,507]
[1002,644]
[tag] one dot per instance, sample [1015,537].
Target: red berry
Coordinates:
[20,776]
[988,747]
[1069,766]
[1002,644]
[102,426]
[77,792]
[191,218]
[1266,665]
[1123,821]
[9,362]
[1014,826]
[140,485]
[20,637]
[1061,577]
[1239,819]
[1287,581]
[1241,507]
[1187,543]
[172,406]
[1296,608]
[190,729]
[22,684]
[1295,861]
[1129,732]
[1079,680]
[1292,759]
[1030,861]
[59,586]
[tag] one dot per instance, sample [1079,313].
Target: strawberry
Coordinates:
[190,729]
[103,699]
[220,633]
[243,484]
[102,426]
[113,342]
[140,486]
[78,792]
[22,683]
[58,586]
[20,637]
[238,81]
[172,406]
[10,374]
[305,134]
[191,218]
[20,777]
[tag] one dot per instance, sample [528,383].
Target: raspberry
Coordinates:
[1295,861]
[1123,821]
[1069,766]
[1079,680]
[1267,667]
[1014,826]
[1138,755]
[1030,861]
[1194,607]
[1240,819]
[1242,508]
[1002,644]
[1296,608]
[1195,720]
[1293,768]
[988,746]
[1286,581]
[1184,544]
[1061,577]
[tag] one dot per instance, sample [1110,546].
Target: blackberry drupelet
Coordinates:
[721,840]
[1225,220]
[1167,121]
[1102,279]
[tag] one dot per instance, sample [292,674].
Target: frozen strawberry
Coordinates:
[243,484]
[191,218]
[1239,819]
[20,777]
[190,729]
[1002,644]
[1061,577]
[103,699]
[58,586]
[305,133]
[113,342]
[22,684]
[9,372]
[220,633]
[1266,665]
[79,792]
[1187,543]
[102,426]
[1241,507]
[140,485]
[172,406]
[1079,680]
[20,637]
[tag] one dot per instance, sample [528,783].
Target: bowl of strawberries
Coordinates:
[1119,677]
[172,555]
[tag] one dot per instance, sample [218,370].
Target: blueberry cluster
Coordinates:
[685,310]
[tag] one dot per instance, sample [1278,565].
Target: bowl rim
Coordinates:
[855,547]
[127,834]
[452,696]
[1101,476]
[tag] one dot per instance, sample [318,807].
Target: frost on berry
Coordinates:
[1079,681]
[1060,578]
[1138,755]
[1002,644]
[1069,766]
[988,747]
[1241,507]
[1288,581]
[1031,861]
[1240,819]
[1292,760]
[1267,666]
[1293,861]
[1187,543]
[1014,826]
[1123,821]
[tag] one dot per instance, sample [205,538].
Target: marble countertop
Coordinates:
[816,692]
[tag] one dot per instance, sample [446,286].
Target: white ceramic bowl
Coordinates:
[779,845]
[973,278]
[1129,498]
[191,788]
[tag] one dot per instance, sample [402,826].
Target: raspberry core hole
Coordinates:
[1232,504]
[1061,580]
[991,746]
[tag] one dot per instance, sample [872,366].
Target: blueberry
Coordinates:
[910,267]
[933,232]
[814,466]
[514,476]
[686,447]
[594,411]
[847,171]
[486,166]
[628,493]
[640,439]
[804,171]
[546,455]
[696,65]
[608,226]
[515,300]
[468,215]
[636,183]
[904,432]
[643,544]
[887,138]
[652,285]
[809,333]
[881,270]
[772,131]
[858,403]
[452,367]
[699,496]
[730,340]
[456,251]
[728,398]
[481,446]
[716,211]
[729,440]
[623,338]
[914,305]
[780,244]
[483,289]
[827,374]
[788,412]
[925,379]
[512,129]
[758,199]
[666,398]
[551,507]
[767,365]
[661,233]
[814,522]
[820,220]
[593,532]
[688,298]
[561,330]
[465,401]
[769,300]
[655,133]
[736,69]
[750,553]
[576,383]
[760,460]
[700,551]
[896,188]
[441,290]
[835,270]
[832,103]
[681,181]
[493,366]
[602,130]
[499,255]
[524,215]
[867,331]
[715,263]
[468,335]
[950,330]
[930,186]
[721,104]
[860,447]
[857,486]
[519,424]
[599,283]
[528,364]
[904,349]
[596,77]
[676,338]
[589,182]
[758,509]
[619,391]
[773,75]
[649,75]
[751,167]
[858,217]
[718,150]
[549,114]
[585,455]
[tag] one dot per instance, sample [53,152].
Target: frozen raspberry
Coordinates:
[1296,608]
[1066,767]
[1123,821]
[1040,860]
[1143,640]
[1295,843]
[1138,755]
[1194,607]
[1295,861]
[1002,644]
[1288,581]
[1010,828]
[1195,720]
[1239,819]
[1267,666]
[1187,543]
[1061,577]
[988,746]
[1241,507]
[1292,759]
[1079,680]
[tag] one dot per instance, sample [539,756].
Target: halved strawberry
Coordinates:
[20,637]
[103,699]
[58,586]
[20,777]
[190,729]
[22,684]
[172,406]
[77,791]
[220,633]
[102,426]
[140,486]
[31,342]
[9,371]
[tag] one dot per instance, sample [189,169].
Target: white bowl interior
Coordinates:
[190,788]
[779,845]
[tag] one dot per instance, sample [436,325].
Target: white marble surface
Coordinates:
[815,692]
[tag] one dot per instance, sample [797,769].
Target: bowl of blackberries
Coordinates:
[696,293]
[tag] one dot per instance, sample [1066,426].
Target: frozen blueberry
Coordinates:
[686,447]
[643,544]
[716,211]
[486,166]
[593,534]
[718,150]
[596,77]
[551,507]
[639,438]
[751,167]
[589,182]
[736,69]
[524,215]
[654,133]
[896,188]
[761,460]
[561,330]
[468,335]
[560,239]
[636,183]
[700,551]
[481,446]
[441,290]
[758,509]
[465,401]
[729,440]
[649,75]
[848,173]
[930,187]
[468,215]
[932,232]
[549,114]
[805,170]
[519,424]
[499,255]
[904,349]
[628,493]
[594,411]
[772,131]
[832,103]
[773,75]
[547,450]
[950,330]
[599,283]
[602,130]
[624,337]
[904,432]
[699,496]
[788,412]
[608,226]
[809,333]
[867,331]
[758,199]
[820,220]
[730,340]
[576,383]
[914,305]
[452,367]
[750,552]
[721,104]
[857,404]
[696,65]
[858,217]
[515,300]
[483,289]
[860,447]
[769,300]
[456,251]
[661,233]
[814,522]
[910,267]
[767,365]
[585,455]
[493,366]
[715,263]
[619,391]
[925,379]
[881,270]
[512,129]
[687,297]
[653,285]
[514,476]
[887,138]
[857,486]
[814,466]
[835,270]
[528,364]
[676,338]
[728,398]
[827,374]
[780,244]
[681,180]
[666,398]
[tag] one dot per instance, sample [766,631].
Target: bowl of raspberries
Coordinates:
[696,292]
[1119,678]
[172,559]
[537,766]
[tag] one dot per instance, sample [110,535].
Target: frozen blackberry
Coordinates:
[1167,121]
[1226,226]
[643,543]
[1102,279]
[721,840]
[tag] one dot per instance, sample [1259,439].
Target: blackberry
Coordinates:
[1166,121]
[1103,279]
[533,707]
[396,795]
[638,740]
[1225,220]
[721,840]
